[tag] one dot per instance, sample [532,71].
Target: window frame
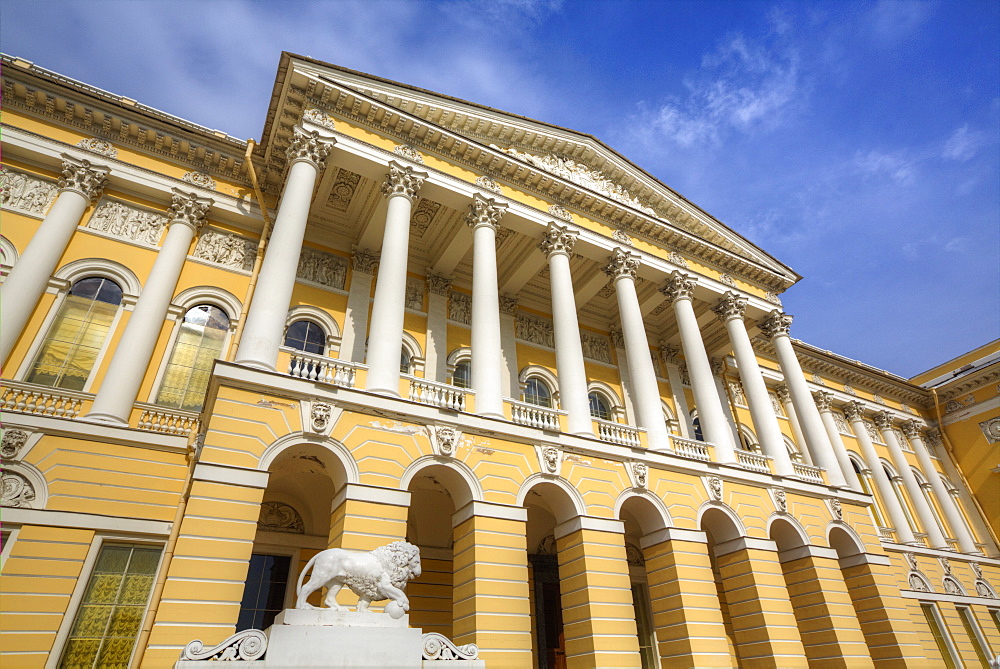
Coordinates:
[930,609]
[178,322]
[308,321]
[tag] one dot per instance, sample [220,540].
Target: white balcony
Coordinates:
[755,462]
[533,415]
[319,368]
[436,394]
[809,473]
[616,433]
[41,400]
[168,421]
[690,448]
[887,533]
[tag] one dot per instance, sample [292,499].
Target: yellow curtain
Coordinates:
[73,342]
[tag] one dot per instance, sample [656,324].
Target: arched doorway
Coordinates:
[642,518]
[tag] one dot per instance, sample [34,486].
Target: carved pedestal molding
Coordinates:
[400,187]
[622,267]
[80,185]
[557,245]
[487,363]
[679,290]
[134,352]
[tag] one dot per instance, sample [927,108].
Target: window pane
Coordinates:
[930,615]
[404,362]
[462,378]
[264,592]
[536,392]
[599,406]
[306,336]
[199,343]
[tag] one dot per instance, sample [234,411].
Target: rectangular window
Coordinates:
[107,623]
[975,634]
[264,593]
[995,614]
[940,634]
[643,623]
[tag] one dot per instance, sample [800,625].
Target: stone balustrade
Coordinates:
[690,448]
[319,368]
[41,400]
[158,419]
[437,394]
[755,462]
[616,433]
[533,415]
[810,473]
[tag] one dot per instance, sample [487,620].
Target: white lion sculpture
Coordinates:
[372,576]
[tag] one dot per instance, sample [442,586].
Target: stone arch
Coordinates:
[39,494]
[546,375]
[787,532]
[8,252]
[723,522]
[336,450]
[223,299]
[845,540]
[84,267]
[608,393]
[460,481]
[648,510]
[568,500]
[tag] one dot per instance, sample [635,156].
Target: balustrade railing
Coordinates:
[437,394]
[319,368]
[887,533]
[533,415]
[810,473]
[690,448]
[616,433]
[755,462]
[158,419]
[40,400]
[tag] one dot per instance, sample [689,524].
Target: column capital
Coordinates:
[79,175]
[438,284]
[189,209]
[731,306]
[671,355]
[558,239]
[775,324]
[824,401]
[679,286]
[883,420]
[932,436]
[718,365]
[784,396]
[508,305]
[310,146]
[484,211]
[854,411]
[622,264]
[363,260]
[402,180]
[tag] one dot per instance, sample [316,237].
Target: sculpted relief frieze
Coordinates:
[323,268]
[535,330]
[226,249]
[595,347]
[24,193]
[460,308]
[127,222]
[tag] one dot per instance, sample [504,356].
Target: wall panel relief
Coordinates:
[24,193]
[124,221]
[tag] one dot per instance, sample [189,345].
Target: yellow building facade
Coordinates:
[406,316]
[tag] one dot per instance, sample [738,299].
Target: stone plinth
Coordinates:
[333,618]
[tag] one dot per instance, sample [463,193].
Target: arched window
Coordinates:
[404,361]
[600,407]
[748,442]
[306,336]
[537,392]
[462,376]
[76,336]
[696,424]
[793,451]
[199,342]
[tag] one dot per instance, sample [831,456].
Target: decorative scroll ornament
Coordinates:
[534,330]
[911,560]
[784,396]
[125,222]
[772,298]
[460,308]
[508,305]
[226,249]
[423,214]
[837,509]
[280,517]
[824,400]
[437,284]
[730,306]
[818,380]
[402,180]
[715,488]
[408,152]
[558,239]
[640,474]
[319,118]
[976,569]
[435,646]
[780,500]
[739,395]
[918,583]
[622,237]
[364,261]
[560,212]
[951,586]
[991,429]
[984,589]
[906,407]
[98,145]
[595,347]
[484,211]
[850,389]
[83,177]
[679,286]
[414,294]
[489,184]
[775,324]
[199,179]
[13,441]
[344,186]
[883,420]
[622,265]
[310,146]
[776,405]
[728,280]
[325,269]
[247,645]
[671,355]
[25,193]
[188,209]
[582,175]
[854,411]
[319,416]
[878,399]
[679,260]
[945,565]
[841,423]
[633,555]
[446,439]
[15,490]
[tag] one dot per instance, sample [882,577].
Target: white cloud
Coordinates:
[900,169]
[962,144]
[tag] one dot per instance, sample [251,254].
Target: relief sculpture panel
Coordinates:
[24,193]
[120,220]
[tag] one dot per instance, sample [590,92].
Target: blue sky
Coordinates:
[857,142]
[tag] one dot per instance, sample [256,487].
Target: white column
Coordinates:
[718,366]
[386,339]
[80,185]
[557,245]
[646,392]
[508,345]
[670,355]
[487,364]
[359,298]
[618,341]
[855,412]
[267,314]
[966,543]
[785,398]
[883,421]
[932,440]
[131,359]
[679,289]
[824,402]
[775,327]
[731,309]
[436,356]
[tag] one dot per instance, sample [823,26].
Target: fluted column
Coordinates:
[672,363]
[855,412]
[679,289]
[80,185]
[966,543]
[883,421]
[775,327]
[386,339]
[487,364]
[646,392]
[785,398]
[557,245]
[436,355]
[352,342]
[131,359]
[265,324]
[824,402]
[731,309]
[508,344]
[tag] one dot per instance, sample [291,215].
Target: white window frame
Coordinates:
[945,634]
